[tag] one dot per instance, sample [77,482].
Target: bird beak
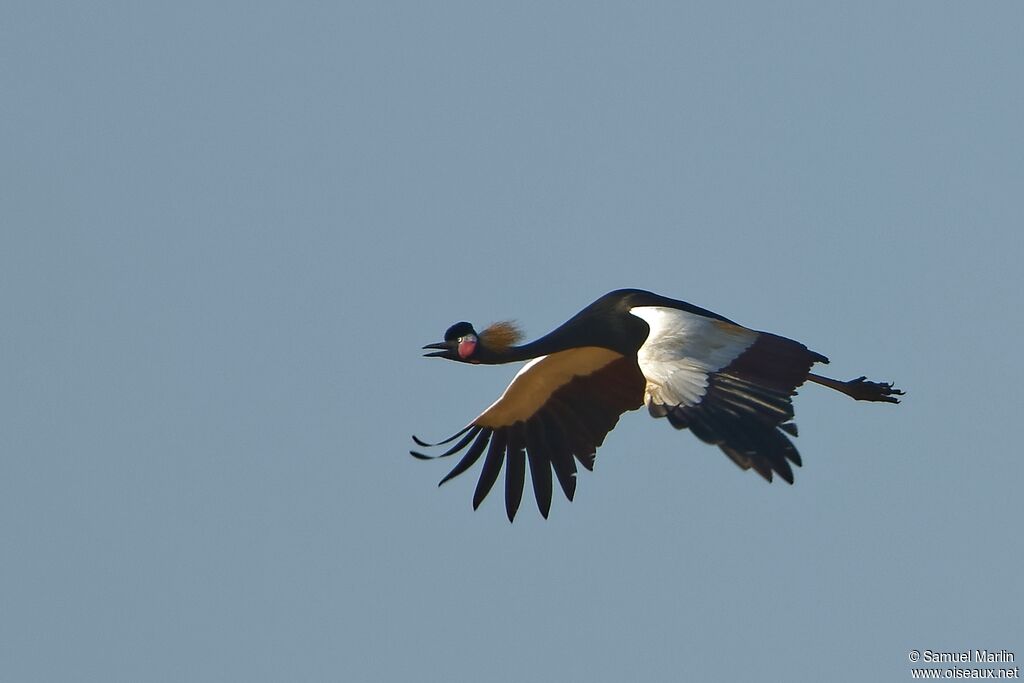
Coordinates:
[440,345]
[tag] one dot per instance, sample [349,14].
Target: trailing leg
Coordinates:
[860,389]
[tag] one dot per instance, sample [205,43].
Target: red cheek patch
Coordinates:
[466,348]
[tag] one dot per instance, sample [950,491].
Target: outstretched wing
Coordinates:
[557,410]
[731,386]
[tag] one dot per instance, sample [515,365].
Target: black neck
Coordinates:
[615,330]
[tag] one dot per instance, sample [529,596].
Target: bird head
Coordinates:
[460,344]
[464,344]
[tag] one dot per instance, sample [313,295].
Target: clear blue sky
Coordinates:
[226,229]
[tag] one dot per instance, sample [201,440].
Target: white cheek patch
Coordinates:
[682,350]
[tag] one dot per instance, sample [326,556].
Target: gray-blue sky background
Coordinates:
[225,232]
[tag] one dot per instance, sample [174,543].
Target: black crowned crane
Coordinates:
[730,385]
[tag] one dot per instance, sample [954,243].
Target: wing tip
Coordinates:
[426,444]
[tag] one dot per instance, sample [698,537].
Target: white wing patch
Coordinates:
[682,350]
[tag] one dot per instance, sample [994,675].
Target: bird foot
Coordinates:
[861,389]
